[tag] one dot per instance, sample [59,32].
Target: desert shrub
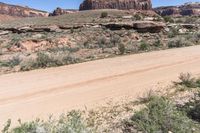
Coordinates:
[69,59]
[115,39]
[72,122]
[192,108]
[187,80]
[190,20]
[28,64]
[179,21]
[168,19]
[121,48]
[160,115]
[178,42]
[147,97]
[102,42]
[194,38]
[143,46]
[43,60]
[16,60]
[63,49]
[173,32]
[157,43]
[194,111]
[104,15]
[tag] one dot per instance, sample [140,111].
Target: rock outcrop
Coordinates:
[188,9]
[59,11]
[116,4]
[20,11]
[139,26]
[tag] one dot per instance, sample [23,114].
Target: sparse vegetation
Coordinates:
[102,42]
[45,60]
[104,14]
[168,19]
[143,46]
[83,36]
[67,123]
[121,48]
[178,42]
[187,80]
[161,115]
[14,61]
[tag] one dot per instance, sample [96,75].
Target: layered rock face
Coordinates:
[116,4]
[19,11]
[188,9]
[59,11]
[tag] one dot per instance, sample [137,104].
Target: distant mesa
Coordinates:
[116,4]
[188,9]
[20,11]
[59,11]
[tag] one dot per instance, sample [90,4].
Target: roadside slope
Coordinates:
[39,93]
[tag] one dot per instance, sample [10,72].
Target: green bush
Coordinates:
[178,42]
[173,32]
[161,115]
[70,123]
[45,60]
[11,62]
[102,42]
[168,19]
[192,108]
[115,39]
[121,48]
[187,80]
[158,43]
[194,113]
[104,15]
[143,46]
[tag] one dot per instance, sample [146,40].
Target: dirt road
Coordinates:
[52,91]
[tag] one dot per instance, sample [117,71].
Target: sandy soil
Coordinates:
[40,93]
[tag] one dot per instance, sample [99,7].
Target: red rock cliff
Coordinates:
[19,11]
[191,9]
[116,4]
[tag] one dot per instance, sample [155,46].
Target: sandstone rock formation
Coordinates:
[116,4]
[19,11]
[184,10]
[139,26]
[59,11]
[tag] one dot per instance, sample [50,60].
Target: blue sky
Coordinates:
[49,5]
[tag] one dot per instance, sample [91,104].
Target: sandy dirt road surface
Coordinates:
[39,93]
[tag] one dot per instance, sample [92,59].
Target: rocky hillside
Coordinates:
[187,9]
[116,4]
[59,11]
[19,11]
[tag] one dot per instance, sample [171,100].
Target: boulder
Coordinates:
[148,26]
